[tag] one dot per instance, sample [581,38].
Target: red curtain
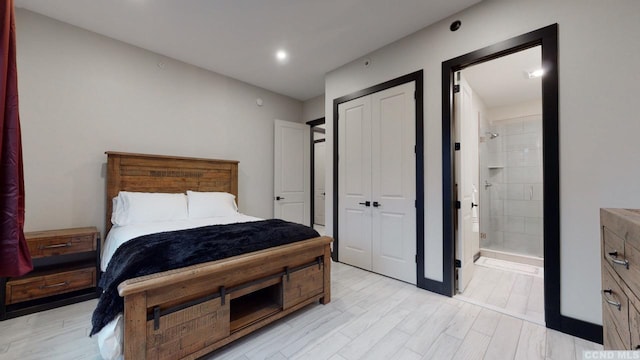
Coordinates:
[15,259]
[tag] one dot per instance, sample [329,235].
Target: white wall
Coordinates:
[598,118]
[313,109]
[82,94]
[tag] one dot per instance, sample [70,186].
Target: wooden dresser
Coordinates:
[65,270]
[620,237]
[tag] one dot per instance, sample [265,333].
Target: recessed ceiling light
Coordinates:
[535,74]
[281,55]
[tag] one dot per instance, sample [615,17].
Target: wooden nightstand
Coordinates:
[66,270]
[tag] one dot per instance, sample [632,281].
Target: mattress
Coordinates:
[121,234]
[110,337]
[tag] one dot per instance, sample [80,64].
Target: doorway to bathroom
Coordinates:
[498,172]
[318,192]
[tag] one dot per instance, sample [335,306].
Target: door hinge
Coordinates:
[458,263]
[415,149]
[458,205]
[456,146]
[416,258]
[415,94]
[415,204]
[456,89]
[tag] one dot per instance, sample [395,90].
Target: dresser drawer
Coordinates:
[611,338]
[623,256]
[613,249]
[634,326]
[61,245]
[615,307]
[35,287]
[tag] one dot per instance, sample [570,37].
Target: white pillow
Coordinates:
[116,210]
[211,204]
[140,207]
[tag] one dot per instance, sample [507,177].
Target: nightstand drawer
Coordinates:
[35,287]
[62,244]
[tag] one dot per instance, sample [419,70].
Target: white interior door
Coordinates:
[291,199]
[394,182]
[376,182]
[354,182]
[318,181]
[466,177]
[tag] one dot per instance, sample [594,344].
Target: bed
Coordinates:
[188,312]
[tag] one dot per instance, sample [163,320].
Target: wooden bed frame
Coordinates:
[189,312]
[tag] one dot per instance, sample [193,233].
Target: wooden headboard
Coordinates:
[166,174]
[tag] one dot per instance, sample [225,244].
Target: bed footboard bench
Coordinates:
[189,312]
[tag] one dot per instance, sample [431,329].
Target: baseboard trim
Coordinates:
[579,328]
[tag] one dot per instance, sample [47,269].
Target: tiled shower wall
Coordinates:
[512,164]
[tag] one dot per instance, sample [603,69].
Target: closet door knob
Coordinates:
[376,204]
[473,205]
[366,203]
[279,198]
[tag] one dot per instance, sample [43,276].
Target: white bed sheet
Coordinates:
[121,234]
[110,337]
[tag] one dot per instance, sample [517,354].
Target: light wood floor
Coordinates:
[507,289]
[370,317]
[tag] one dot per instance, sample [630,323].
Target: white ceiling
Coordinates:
[504,81]
[239,38]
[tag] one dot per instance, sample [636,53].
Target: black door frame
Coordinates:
[416,76]
[547,38]
[314,124]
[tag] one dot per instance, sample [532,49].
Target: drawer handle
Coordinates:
[614,259]
[54,246]
[609,301]
[54,285]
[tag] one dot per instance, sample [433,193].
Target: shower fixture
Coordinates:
[492,135]
[487,184]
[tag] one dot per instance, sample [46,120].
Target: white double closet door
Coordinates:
[377,182]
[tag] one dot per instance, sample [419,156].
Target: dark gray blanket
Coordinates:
[175,249]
